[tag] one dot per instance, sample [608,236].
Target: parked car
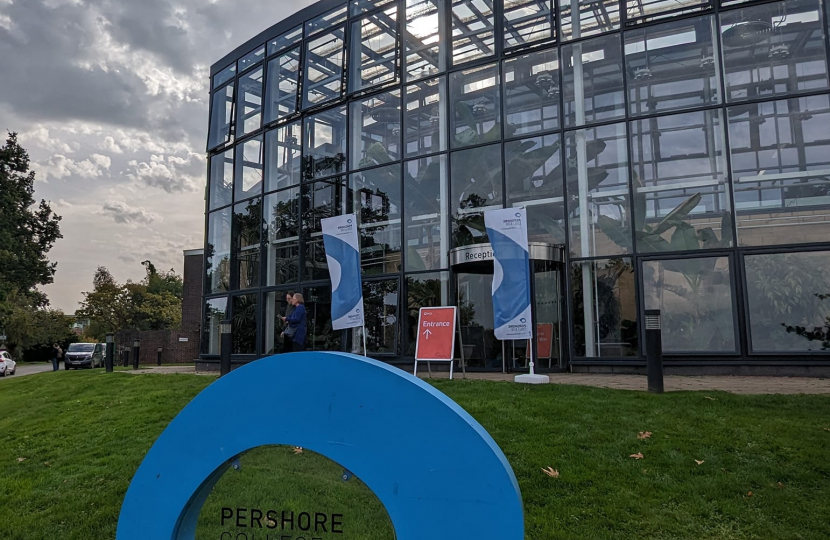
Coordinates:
[84,355]
[7,364]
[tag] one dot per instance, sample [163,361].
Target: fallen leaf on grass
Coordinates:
[710,398]
[550,471]
[47,463]
[701,462]
[827,429]
[749,494]
[780,485]
[298,450]
[644,435]
[21,459]
[638,455]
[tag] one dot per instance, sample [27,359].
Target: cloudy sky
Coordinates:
[110,98]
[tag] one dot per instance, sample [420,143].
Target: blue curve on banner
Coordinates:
[399,435]
[513,295]
[349,290]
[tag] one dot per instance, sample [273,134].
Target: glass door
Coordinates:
[475,305]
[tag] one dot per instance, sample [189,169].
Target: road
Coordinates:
[29,369]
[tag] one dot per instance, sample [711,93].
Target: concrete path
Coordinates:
[29,369]
[673,383]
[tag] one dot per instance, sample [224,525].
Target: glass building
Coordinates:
[671,154]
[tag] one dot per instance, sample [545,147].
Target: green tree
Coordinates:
[155,303]
[27,230]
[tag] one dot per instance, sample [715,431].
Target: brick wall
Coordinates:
[174,350]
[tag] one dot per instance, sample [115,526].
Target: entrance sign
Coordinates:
[544,340]
[436,336]
[366,416]
[343,256]
[507,229]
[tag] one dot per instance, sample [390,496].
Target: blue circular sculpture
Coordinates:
[437,472]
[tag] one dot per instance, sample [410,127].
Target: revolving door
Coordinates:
[472,289]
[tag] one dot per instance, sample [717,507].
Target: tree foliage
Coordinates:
[28,230]
[152,304]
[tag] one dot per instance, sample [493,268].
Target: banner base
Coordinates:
[532,379]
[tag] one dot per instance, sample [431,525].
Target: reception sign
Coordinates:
[507,229]
[343,255]
[332,412]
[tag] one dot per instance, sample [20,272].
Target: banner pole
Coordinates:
[365,351]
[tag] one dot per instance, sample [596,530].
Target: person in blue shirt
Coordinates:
[297,321]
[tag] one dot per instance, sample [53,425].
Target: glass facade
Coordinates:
[677,151]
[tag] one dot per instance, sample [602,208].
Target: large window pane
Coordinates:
[681,198]
[275,307]
[282,157]
[645,10]
[380,300]
[376,130]
[608,288]
[321,336]
[531,92]
[476,187]
[326,20]
[475,106]
[248,177]
[285,40]
[376,195]
[218,256]
[694,297]
[221,117]
[527,22]
[426,228]
[423,38]
[215,313]
[249,102]
[596,178]
[224,76]
[221,180]
[534,180]
[781,170]
[323,79]
[250,59]
[789,306]
[364,6]
[247,230]
[325,143]
[244,324]
[282,235]
[320,200]
[425,117]
[423,290]
[473,34]
[283,86]
[595,17]
[774,49]
[374,56]
[593,81]
[672,66]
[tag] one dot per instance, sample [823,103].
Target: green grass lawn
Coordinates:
[765,471]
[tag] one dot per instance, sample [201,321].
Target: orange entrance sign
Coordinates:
[544,340]
[436,335]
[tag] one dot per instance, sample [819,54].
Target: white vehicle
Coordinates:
[7,365]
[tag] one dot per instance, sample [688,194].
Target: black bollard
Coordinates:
[654,351]
[136,350]
[225,348]
[110,351]
[158,356]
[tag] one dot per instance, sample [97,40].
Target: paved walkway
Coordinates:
[674,383]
